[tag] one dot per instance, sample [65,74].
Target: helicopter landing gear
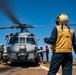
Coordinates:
[4,61]
[37,61]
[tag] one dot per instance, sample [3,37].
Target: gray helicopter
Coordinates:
[20,46]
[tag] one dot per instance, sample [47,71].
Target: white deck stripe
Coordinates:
[47,69]
[74,66]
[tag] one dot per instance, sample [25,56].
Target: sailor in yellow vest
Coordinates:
[61,40]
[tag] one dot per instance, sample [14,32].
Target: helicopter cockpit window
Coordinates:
[30,40]
[22,39]
[13,40]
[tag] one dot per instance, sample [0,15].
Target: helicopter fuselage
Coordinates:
[22,46]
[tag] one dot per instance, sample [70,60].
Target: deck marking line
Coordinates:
[74,66]
[47,69]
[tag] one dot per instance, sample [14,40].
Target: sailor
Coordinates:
[41,53]
[61,40]
[47,53]
[1,51]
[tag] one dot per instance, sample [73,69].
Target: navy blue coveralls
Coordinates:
[64,59]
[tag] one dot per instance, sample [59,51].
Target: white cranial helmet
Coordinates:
[62,19]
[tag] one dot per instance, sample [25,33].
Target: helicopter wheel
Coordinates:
[37,61]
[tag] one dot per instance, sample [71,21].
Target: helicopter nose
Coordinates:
[22,48]
[22,54]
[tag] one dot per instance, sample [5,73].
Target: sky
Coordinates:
[38,13]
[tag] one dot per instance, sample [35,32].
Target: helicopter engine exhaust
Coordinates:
[22,54]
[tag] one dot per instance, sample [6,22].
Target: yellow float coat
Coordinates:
[64,41]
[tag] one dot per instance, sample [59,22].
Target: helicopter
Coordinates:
[20,46]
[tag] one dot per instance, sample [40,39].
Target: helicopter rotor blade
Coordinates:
[72,24]
[31,26]
[25,26]
[42,26]
[21,26]
[7,27]
[37,26]
[7,9]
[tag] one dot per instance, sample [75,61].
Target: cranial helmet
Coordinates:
[62,19]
